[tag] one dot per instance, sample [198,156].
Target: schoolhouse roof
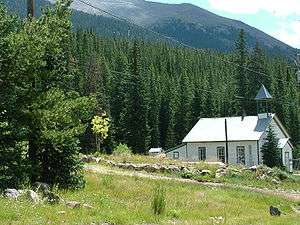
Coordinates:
[248,128]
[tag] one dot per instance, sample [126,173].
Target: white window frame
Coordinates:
[175,155]
[202,153]
[222,148]
[238,158]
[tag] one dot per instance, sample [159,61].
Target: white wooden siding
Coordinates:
[190,151]
[182,153]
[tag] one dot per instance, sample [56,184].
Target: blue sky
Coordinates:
[279,18]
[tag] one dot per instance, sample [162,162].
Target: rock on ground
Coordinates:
[33,196]
[73,204]
[12,193]
[41,187]
[274,211]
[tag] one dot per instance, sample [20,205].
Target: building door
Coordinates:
[287,160]
[202,153]
[221,154]
[240,155]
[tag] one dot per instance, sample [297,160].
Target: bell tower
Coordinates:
[263,98]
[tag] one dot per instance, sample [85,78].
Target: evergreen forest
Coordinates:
[53,80]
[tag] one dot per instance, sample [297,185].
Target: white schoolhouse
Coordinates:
[234,140]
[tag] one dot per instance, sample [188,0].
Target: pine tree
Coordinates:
[119,91]
[166,116]
[241,60]
[137,134]
[256,77]
[270,152]
[154,106]
[183,113]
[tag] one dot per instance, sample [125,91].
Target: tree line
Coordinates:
[155,93]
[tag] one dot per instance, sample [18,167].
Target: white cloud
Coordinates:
[276,7]
[289,33]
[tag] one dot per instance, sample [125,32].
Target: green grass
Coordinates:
[127,200]
[246,178]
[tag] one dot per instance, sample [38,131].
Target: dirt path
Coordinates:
[119,172]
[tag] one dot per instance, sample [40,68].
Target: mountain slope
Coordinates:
[105,26]
[184,22]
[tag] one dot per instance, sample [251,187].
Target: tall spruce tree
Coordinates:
[167,116]
[119,92]
[183,115]
[270,152]
[241,75]
[256,77]
[137,132]
[154,106]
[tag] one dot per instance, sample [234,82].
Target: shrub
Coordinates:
[270,151]
[159,200]
[280,174]
[122,149]
[187,175]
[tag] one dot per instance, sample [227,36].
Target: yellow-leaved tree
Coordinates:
[100,128]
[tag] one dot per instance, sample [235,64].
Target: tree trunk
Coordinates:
[98,144]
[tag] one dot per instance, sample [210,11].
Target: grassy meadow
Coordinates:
[127,200]
[243,177]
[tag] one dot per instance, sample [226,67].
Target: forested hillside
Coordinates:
[155,93]
[186,23]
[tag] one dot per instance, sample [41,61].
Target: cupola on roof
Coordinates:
[263,94]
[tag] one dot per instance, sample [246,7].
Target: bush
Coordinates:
[280,174]
[122,149]
[159,200]
[273,173]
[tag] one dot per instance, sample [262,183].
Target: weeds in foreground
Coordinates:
[159,200]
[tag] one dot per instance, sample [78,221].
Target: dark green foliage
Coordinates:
[270,152]
[176,86]
[183,113]
[257,63]
[12,148]
[242,79]
[41,114]
[135,118]
[296,152]
[154,105]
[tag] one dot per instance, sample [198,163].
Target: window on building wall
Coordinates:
[175,155]
[250,156]
[202,153]
[221,154]
[240,155]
